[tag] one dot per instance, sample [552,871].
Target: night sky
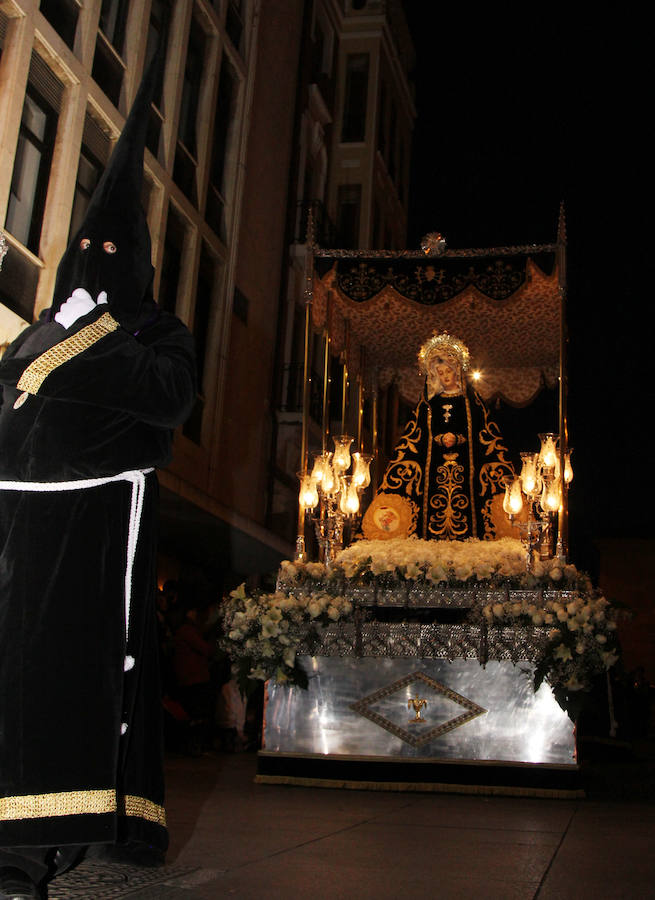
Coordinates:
[514,116]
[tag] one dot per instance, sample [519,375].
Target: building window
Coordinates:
[113,21]
[18,284]
[108,68]
[353,126]
[184,172]
[391,163]
[94,154]
[29,183]
[228,87]
[160,16]
[62,15]
[382,121]
[176,232]
[234,23]
[349,202]
[208,282]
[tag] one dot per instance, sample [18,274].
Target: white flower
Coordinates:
[289,657]
[498,610]
[437,573]
[556,574]
[601,638]
[235,635]
[412,571]
[562,652]
[379,566]
[573,684]
[269,629]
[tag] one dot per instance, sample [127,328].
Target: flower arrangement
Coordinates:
[438,563]
[582,640]
[262,632]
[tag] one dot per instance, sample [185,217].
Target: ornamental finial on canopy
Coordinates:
[433,244]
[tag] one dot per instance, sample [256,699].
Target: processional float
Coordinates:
[442,663]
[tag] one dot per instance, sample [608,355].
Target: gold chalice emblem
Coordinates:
[417,703]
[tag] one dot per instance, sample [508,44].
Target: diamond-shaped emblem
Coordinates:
[431,714]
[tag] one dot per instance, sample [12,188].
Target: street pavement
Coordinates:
[231,837]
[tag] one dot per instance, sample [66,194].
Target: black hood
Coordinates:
[111,251]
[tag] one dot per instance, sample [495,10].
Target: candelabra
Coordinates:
[332,497]
[541,483]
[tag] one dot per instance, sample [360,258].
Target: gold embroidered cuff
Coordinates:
[79,803]
[63,803]
[37,371]
[141,808]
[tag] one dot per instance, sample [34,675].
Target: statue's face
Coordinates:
[447,371]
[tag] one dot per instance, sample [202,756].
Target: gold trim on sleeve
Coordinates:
[38,370]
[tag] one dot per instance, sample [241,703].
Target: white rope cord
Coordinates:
[137,478]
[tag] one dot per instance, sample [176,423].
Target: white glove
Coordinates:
[78,304]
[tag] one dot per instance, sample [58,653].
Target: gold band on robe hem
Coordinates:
[79,803]
[39,369]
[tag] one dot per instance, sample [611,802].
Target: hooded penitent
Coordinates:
[111,250]
[88,408]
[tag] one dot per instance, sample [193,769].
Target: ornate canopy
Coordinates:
[504,303]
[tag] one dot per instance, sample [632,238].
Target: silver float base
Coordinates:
[359,714]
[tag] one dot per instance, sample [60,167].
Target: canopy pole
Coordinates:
[375,452]
[360,400]
[344,382]
[326,378]
[309,299]
[563,515]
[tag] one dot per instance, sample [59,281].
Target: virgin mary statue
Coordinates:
[447,474]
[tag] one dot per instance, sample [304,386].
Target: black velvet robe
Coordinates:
[80,735]
[444,473]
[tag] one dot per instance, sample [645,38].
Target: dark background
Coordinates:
[515,115]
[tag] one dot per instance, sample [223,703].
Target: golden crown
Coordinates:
[447,345]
